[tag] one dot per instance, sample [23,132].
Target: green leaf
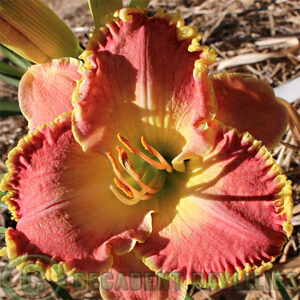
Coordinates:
[188,297]
[9,107]
[15,58]
[140,3]
[2,230]
[7,69]
[281,287]
[9,79]
[60,292]
[101,8]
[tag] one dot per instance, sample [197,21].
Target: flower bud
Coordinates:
[34,31]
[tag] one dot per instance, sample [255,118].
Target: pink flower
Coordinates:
[147,169]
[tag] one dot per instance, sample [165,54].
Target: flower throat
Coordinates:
[146,188]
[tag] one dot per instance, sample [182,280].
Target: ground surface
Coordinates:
[256,37]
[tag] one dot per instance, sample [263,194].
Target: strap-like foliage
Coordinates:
[102,8]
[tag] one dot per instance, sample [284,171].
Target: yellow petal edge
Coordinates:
[283,207]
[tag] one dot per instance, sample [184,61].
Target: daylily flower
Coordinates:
[147,169]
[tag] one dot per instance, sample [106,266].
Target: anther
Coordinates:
[123,159]
[154,152]
[148,190]
[128,201]
[161,165]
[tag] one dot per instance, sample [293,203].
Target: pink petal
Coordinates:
[46,90]
[62,199]
[129,279]
[140,78]
[249,104]
[229,213]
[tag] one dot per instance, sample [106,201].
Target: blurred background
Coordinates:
[260,38]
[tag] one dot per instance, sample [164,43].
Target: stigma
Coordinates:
[129,187]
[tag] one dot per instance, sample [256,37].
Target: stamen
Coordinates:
[123,159]
[124,199]
[148,190]
[161,165]
[133,193]
[119,174]
[123,187]
[154,152]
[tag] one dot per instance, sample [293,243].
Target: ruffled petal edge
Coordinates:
[283,206]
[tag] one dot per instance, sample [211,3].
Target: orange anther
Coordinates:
[154,152]
[161,165]
[148,190]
